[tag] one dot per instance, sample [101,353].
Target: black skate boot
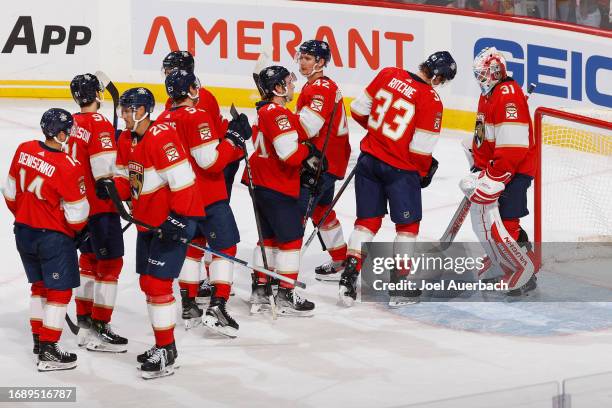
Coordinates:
[160,363]
[204,292]
[84,323]
[192,314]
[218,320]
[53,358]
[289,303]
[330,271]
[401,295]
[36,348]
[348,282]
[103,338]
[141,358]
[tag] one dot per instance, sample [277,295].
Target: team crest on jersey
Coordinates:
[136,178]
[317,103]
[282,122]
[479,129]
[105,140]
[204,130]
[438,121]
[171,152]
[511,111]
[82,188]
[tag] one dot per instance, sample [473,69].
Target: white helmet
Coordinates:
[489,68]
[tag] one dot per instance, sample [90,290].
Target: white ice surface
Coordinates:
[366,356]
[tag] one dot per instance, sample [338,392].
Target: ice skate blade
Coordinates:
[150,375]
[211,324]
[328,278]
[398,302]
[290,312]
[104,347]
[344,299]
[192,323]
[55,366]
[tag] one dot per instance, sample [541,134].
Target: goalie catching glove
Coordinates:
[483,188]
[310,166]
[239,131]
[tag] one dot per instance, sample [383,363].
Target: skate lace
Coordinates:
[61,351]
[109,330]
[150,351]
[205,284]
[160,355]
[297,299]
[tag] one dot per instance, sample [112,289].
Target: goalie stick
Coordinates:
[114,196]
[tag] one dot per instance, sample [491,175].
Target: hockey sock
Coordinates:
[331,233]
[85,292]
[404,242]
[288,261]
[38,299]
[222,273]
[161,308]
[55,313]
[365,230]
[105,288]
[271,249]
[189,278]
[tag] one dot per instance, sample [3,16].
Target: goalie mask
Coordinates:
[489,69]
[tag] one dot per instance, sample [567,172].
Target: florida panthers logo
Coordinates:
[479,131]
[136,178]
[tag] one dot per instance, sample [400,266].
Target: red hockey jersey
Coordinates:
[208,102]
[503,138]
[92,143]
[403,117]
[278,155]
[315,106]
[157,175]
[45,189]
[209,152]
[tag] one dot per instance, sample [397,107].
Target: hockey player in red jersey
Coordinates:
[402,114]
[45,190]
[93,145]
[208,102]
[281,151]
[153,169]
[322,116]
[504,160]
[209,153]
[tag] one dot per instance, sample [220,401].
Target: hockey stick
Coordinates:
[114,93]
[464,207]
[330,208]
[262,62]
[251,188]
[114,196]
[73,327]
[312,195]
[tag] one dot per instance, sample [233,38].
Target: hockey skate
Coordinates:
[103,338]
[260,299]
[402,296]
[53,358]
[330,271]
[218,320]
[84,323]
[204,292]
[159,364]
[36,348]
[347,293]
[142,358]
[289,303]
[192,314]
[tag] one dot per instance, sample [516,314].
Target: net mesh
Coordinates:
[576,178]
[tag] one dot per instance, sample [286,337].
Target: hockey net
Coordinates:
[573,184]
